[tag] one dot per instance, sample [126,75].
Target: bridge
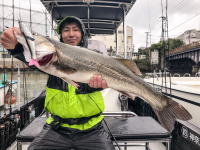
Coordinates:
[185,59]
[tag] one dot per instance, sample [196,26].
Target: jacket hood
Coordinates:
[73,19]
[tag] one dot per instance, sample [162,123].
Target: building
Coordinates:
[190,36]
[110,42]
[135,56]
[41,25]
[122,46]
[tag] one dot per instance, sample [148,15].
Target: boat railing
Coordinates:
[176,75]
[120,114]
[168,74]
[187,75]
[197,74]
[12,123]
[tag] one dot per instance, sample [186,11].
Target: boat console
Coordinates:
[186,136]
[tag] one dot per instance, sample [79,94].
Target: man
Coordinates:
[76,120]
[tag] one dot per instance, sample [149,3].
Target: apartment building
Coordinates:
[190,36]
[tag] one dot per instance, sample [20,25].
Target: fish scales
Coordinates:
[107,67]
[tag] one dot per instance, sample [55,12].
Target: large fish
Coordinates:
[75,64]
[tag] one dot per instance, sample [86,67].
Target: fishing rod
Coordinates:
[109,131]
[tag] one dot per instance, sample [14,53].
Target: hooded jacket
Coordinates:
[63,100]
[72,19]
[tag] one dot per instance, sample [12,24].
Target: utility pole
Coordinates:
[164,37]
[147,43]
[162,53]
[189,37]
[147,39]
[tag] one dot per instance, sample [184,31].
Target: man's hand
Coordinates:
[97,82]
[8,39]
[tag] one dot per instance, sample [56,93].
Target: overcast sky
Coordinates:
[145,16]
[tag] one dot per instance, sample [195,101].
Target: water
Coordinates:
[35,83]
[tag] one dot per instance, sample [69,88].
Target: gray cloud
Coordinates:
[147,13]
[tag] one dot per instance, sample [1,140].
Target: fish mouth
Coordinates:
[45,59]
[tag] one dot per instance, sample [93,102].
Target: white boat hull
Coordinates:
[184,90]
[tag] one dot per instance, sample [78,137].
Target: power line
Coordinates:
[189,19]
[179,4]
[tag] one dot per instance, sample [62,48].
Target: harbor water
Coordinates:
[32,82]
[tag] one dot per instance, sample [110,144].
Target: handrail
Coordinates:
[119,114]
[186,75]
[197,74]
[176,75]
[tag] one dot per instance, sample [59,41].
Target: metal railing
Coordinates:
[120,114]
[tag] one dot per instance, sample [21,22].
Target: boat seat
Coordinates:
[31,130]
[124,129]
[137,128]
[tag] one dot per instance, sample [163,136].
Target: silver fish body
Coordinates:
[75,64]
[29,40]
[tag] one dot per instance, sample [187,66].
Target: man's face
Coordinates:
[71,34]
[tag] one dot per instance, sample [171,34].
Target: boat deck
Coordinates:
[186,92]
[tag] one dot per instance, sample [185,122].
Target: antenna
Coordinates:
[164,35]
[148,40]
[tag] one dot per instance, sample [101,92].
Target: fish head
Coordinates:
[36,47]
[45,50]
[29,40]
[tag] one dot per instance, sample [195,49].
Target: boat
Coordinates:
[184,88]
[132,124]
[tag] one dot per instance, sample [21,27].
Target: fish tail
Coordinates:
[170,113]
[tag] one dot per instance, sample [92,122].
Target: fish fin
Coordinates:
[172,111]
[76,85]
[131,65]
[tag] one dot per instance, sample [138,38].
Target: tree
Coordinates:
[172,43]
[168,45]
[144,65]
[175,43]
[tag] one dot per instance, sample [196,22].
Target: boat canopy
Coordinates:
[100,16]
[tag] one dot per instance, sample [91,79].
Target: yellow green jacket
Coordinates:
[65,101]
